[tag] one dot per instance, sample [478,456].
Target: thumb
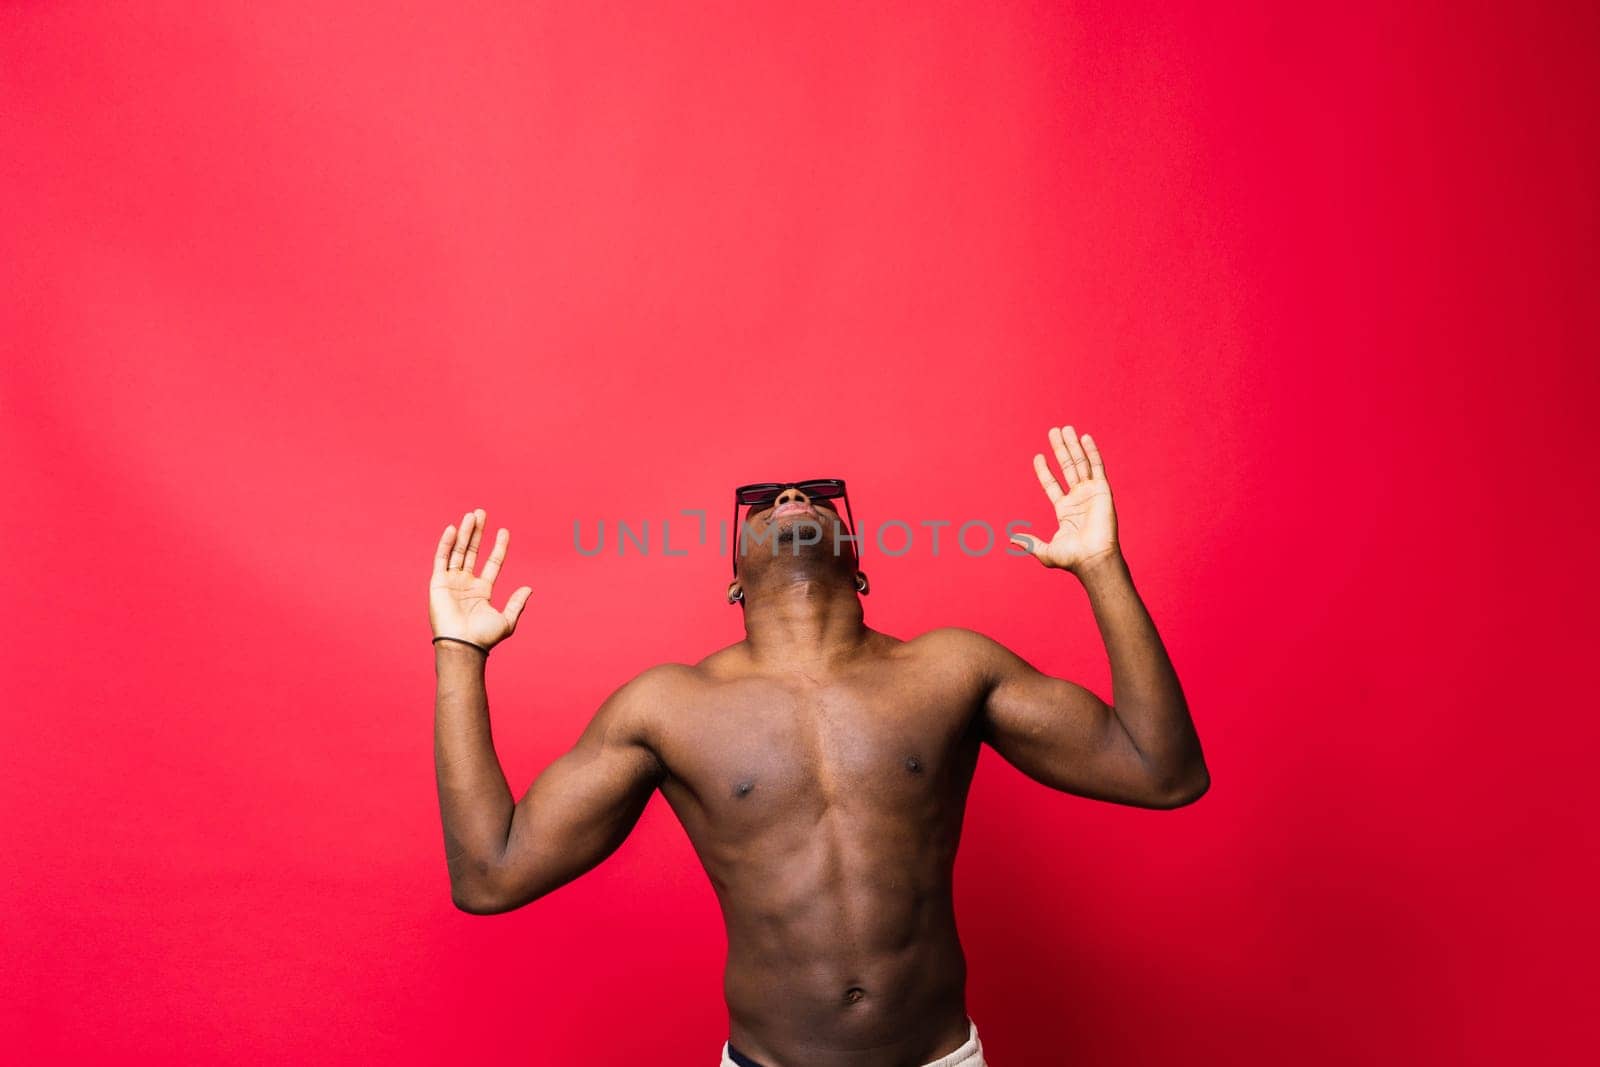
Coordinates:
[514,606]
[1030,545]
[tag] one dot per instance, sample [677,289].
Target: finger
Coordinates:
[463,537]
[441,555]
[1097,469]
[1031,545]
[1080,462]
[1048,480]
[1063,457]
[497,556]
[514,606]
[472,546]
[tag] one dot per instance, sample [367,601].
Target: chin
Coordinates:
[788,529]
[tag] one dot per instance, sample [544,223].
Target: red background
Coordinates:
[287,289]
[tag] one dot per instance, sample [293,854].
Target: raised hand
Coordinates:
[458,601]
[1087,521]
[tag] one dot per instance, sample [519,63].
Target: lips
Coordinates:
[792,507]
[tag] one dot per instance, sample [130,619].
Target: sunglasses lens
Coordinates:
[758,495]
[822,490]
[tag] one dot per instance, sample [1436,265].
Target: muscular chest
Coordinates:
[891,738]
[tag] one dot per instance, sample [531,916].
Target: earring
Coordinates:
[861,583]
[736,596]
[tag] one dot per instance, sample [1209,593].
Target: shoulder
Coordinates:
[727,663]
[655,686]
[957,640]
[956,648]
[636,717]
[635,709]
[973,652]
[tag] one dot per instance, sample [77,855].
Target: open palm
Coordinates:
[458,600]
[1087,529]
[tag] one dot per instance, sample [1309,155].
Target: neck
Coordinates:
[803,619]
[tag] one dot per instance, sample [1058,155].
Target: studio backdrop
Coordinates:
[289,287]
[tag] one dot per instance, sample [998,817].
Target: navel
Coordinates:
[854,994]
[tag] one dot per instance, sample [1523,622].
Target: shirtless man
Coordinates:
[820,768]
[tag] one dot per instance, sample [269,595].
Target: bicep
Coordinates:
[1059,733]
[582,806]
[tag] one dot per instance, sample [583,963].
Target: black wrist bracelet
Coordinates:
[480,648]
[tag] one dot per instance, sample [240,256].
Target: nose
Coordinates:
[790,494]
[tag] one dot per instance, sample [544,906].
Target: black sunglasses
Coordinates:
[762,494]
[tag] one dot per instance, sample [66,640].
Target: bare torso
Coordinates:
[826,809]
[820,768]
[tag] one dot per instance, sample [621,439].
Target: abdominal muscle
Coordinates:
[841,939]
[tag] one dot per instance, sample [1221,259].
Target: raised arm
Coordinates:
[502,855]
[1142,749]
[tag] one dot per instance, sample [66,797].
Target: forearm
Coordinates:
[1146,695]
[475,802]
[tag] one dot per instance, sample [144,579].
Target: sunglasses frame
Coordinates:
[830,489]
